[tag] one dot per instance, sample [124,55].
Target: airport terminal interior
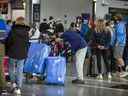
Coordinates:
[56,48]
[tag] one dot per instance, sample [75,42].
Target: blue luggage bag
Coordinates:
[36,56]
[55,70]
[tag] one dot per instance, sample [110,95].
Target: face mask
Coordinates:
[85,21]
[78,20]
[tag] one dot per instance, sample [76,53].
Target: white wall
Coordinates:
[13,14]
[102,10]
[8,15]
[57,8]
[17,13]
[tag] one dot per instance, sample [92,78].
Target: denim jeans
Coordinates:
[16,71]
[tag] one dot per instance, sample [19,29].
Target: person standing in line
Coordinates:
[84,28]
[120,42]
[100,43]
[110,28]
[125,55]
[78,23]
[17,45]
[65,22]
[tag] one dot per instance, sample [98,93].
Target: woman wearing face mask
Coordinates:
[78,24]
[100,44]
[110,28]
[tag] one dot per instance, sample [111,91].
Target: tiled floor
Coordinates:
[91,88]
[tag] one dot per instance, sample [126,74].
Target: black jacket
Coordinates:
[101,38]
[17,42]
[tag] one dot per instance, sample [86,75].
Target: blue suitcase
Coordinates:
[55,70]
[36,56]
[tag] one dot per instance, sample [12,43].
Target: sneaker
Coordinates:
[100,77]
[17,91]
[78,81]
[123,74]
[109,76]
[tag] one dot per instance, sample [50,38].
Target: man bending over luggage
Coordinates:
[79,49]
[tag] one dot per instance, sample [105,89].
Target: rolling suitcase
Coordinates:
[37,54]
[55,70]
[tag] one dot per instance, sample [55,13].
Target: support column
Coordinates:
[9,11]
[36,8]
[28,11]
[94,9]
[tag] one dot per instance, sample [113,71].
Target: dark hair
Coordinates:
[44,19]
[108,23]
[14,22]
[119,17]
[79,17]
[51,18]
[9,21]
[72,24]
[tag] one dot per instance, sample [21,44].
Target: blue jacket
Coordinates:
[84,30]
[2,25]
[120,34]
[75,40]
[8,28]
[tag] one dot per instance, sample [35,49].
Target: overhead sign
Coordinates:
[4,8]
[118,10]
[17,4]
[36,12]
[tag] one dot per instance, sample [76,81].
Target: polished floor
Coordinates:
[92,87]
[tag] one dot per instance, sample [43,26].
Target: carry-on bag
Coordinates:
[37,54]
[55,70]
